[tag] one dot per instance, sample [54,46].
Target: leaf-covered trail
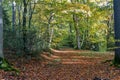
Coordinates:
[73,56]
[34,70]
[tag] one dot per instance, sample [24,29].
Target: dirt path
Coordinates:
[73,56]
[34,70]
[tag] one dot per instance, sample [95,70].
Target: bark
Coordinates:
[13,16]
[50,31]
[24,13]
[1,31]
[110,29]
[24,26]
[117,30]
[51,36]
[31,13]
[19,15]
[19,25]
[70,31]
[75,20]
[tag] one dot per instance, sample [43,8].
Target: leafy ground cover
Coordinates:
[88,69]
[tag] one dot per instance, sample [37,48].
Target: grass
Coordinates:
[94,54]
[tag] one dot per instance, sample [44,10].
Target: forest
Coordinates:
[59,40]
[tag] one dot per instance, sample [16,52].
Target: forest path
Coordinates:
[60,66]
[69,56]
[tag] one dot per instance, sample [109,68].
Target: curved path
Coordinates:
[70,57]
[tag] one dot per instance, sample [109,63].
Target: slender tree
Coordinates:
[24,26]
[75,21]
[31,10]
[13,14]
[117,30]
[50,32]
[1,31]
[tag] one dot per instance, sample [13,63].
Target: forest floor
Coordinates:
[92,66]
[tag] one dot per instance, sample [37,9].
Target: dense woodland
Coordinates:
[34,27]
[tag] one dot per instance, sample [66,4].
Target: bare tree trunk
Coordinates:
[19,25]
[75,20]
[1,31]
[24,26]
[31,12]
[51,36]
[13,15]
[70,31]
[77,31]
[117,30]
[19,15]
[49,30]
[110,29]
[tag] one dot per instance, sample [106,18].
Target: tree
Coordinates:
[56,23]
[117,30]
[13,14]
[31,10]
[1,31]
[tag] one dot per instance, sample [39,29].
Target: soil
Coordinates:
[34,69]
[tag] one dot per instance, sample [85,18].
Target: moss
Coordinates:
[6,66]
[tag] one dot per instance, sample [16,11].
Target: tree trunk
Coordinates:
[24,26]
[77,31]
[117,30]
[70,31]
[51,36]
[50,31]
[31,13]
[70,28]
[19,16]
[110,29]
[13,15]
[1,31]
